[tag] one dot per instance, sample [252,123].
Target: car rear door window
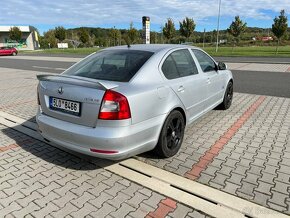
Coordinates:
[206,63]
[112,65]
[179,64]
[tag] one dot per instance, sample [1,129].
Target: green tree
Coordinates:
[214,35]
[153,37]
[84,36]
[15,34]
[187,27]
[279,27]
[115,35]
[132,33]
[49,40]
[169,29]
[60,33]
[236,28]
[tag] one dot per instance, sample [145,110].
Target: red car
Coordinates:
[8,51]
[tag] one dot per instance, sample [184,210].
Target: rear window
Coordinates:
[114,65]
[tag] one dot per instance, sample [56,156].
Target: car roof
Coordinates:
[150,47]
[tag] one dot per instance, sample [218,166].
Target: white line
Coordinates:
[43,58]
[50,68]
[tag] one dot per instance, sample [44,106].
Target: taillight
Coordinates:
[114,106]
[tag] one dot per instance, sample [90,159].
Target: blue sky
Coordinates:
[46,15]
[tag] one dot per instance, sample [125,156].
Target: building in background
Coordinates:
[29,39]
[146,29]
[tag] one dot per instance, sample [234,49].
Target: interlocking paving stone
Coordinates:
[181,211]
[254,164]
[43,188]
[142,211]
[123,210]
[254,160]
[117,201]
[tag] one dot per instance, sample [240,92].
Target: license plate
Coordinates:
[70,107]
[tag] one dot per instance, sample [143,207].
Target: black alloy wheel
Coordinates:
[171,136]
[228,97]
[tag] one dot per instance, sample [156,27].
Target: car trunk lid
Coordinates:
[71,98]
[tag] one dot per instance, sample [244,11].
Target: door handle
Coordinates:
[181,89]
[208,81]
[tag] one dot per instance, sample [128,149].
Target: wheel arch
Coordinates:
[181,111]
[177,108]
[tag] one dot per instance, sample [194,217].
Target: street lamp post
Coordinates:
[218,27]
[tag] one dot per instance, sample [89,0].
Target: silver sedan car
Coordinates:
[124,101]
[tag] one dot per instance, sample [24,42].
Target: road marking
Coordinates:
[49,68]
[43,58]
[214,150]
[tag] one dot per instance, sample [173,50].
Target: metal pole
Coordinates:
[218,27]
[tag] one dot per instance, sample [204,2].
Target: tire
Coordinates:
[14,54]
[171,135]
[228,97]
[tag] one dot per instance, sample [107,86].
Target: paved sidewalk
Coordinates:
[38,180]
[244,151]
[259,67]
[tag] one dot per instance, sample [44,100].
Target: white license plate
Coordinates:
[66,106]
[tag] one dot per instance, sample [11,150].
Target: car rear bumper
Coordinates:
[126,140]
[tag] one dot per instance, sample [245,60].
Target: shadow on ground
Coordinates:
[52,154]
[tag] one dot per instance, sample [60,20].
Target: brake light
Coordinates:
[114,106]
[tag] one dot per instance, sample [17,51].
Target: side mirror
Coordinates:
[222,66]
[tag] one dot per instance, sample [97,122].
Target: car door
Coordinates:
[183,77]
[5,51]
[215,80]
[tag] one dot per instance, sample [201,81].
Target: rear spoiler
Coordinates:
[76,80]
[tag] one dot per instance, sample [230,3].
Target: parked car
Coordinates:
[8,51]
[124,101]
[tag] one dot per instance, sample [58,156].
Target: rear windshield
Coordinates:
[112,65]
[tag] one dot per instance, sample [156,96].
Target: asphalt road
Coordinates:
[252,82]
[262,83]
[35,65]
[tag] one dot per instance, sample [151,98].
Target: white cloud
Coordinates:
[96,12]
